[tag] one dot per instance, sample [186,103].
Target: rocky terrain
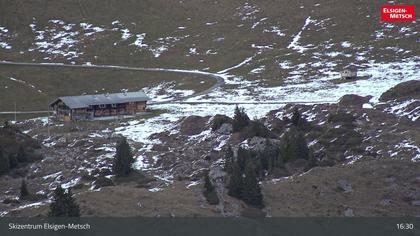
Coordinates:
[272,58]
[366,163]
[265,50]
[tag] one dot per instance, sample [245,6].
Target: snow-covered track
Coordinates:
[253,102]
[217,77]
[22,112]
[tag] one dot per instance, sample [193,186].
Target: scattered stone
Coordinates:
[393,186]
[414,195]
[415,203]
[345,186]
[348,212]
[11,201]
[386,202]
[258,143]
[216,172]
[390,179]
[102,182]
[60,178]
[225,128]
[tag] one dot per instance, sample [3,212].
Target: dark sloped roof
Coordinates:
[98,99]
[350,67]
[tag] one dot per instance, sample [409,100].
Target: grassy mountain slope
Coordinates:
[220,33]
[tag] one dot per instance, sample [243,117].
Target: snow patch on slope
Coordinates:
[295,41]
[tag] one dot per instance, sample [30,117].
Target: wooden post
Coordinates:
[15,112]
[48,123]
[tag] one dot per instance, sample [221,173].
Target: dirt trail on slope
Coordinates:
[217,77]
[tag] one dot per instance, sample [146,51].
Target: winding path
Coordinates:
[218,77]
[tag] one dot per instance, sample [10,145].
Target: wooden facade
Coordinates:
[65,113]
[93,107]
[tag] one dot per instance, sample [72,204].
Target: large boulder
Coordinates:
[225,128]
[344,186]
[11,139]
[17,149]
[102,182]
[259,143]
[353,100]
[219,120]
[193,125]
[409,89]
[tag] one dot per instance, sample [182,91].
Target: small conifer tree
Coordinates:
[229,159]
[251,191]
[4,163]
[208,186]
[240,119]
[235,181]
[294,146]
[24,193]
[296,117]
[73,209]
[64,204]
[243,156]
[21,155]
[209,191]
[13,160]
[123,159]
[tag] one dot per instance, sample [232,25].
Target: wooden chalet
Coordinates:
[349,72]
[88,107]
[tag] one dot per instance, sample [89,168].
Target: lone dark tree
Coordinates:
[24,193]
[13,160]
[235,181]
[251,191]
[208,186]
[64,204]
[294,146]
[21,155]
[229,160]
[244,155]
[296,117]
[4,163]
[123,159]
[240,119]
[209,190]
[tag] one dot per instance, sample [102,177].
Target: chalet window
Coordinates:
[102,106]
[114,105]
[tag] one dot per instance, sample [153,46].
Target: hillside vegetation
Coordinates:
[282,37]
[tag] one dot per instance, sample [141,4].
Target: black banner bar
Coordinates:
[209,226]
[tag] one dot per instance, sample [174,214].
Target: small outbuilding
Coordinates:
[349,72]
[88,107]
